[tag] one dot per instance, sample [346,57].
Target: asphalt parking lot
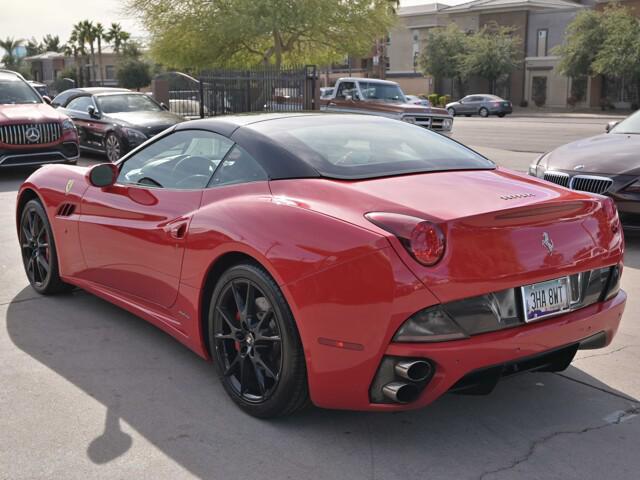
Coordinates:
[90,391]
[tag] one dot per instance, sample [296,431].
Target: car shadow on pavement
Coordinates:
[152,385]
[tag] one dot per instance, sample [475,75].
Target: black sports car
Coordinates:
[606,164]
[114,121]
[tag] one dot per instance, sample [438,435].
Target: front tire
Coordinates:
[483,112]
[113,147]
[255,344]
[39,255]
[452,111]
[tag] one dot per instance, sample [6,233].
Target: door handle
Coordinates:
[177,230]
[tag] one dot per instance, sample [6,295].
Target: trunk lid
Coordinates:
[495,222]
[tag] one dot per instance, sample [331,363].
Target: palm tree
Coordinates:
[117,37]
[100,35]
[51,43]
[77,39]
[90,39]
[33,47]
[9,44]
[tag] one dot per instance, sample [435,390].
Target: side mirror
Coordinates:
[93,112]
[46,99]
[610,126]
[103,175]
[164,106]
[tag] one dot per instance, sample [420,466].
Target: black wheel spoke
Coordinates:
[244,374]
[258,360]
[227,320]
[237,297]
[43,263]
[234,363]
[249,301]
[259,377]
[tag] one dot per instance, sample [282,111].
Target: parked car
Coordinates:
[62,98]
[483,105]
[114,123]
[41,88]
[416,100]
[353,261]
[607,164]
[384,98]
[326,92]
[31,131]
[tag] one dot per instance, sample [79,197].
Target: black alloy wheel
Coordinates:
[38,248]
[255,344]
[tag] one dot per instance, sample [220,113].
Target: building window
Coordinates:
[110,72]
[541,50]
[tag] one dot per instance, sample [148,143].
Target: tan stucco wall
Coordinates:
[400,50]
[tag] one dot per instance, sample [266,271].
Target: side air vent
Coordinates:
[66,210]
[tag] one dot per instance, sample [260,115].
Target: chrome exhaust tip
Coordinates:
[413,370]
[400,392]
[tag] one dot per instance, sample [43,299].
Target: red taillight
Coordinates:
[427,243]
[424,240]
[496,104]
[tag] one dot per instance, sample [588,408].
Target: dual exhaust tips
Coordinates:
[412,370]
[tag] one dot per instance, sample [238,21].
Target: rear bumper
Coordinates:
[61,153]
[455,360]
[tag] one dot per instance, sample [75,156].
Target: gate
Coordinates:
[220,92]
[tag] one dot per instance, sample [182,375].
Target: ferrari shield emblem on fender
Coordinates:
[547,242]
[68,187]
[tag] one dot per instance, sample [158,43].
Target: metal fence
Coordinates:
[220,92]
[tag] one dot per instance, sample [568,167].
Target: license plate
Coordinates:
[545,299]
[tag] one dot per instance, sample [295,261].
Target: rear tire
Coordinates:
[483,112]
[39,254]
[255,344]
[501,115]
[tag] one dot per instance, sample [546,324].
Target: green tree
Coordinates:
[116,37]
[492,53]
[619,52]
[9,45]
[51,43]
[133,73]
[444,53]
[34,47]
[100,34]
[203,33]
[585,35]
[78,41]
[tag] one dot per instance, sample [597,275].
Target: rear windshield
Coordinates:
[14,90]
[359,146]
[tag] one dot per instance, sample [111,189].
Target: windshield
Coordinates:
[129,102]
[381,91]
[354,147]
[630,125]
[13,90]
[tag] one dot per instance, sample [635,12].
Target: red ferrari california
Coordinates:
[353,262]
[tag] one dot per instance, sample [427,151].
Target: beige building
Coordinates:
[541,25]
[48,67]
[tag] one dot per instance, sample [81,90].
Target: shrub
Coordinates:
[433,99]
[572,100]
[443,100]
[524,104]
